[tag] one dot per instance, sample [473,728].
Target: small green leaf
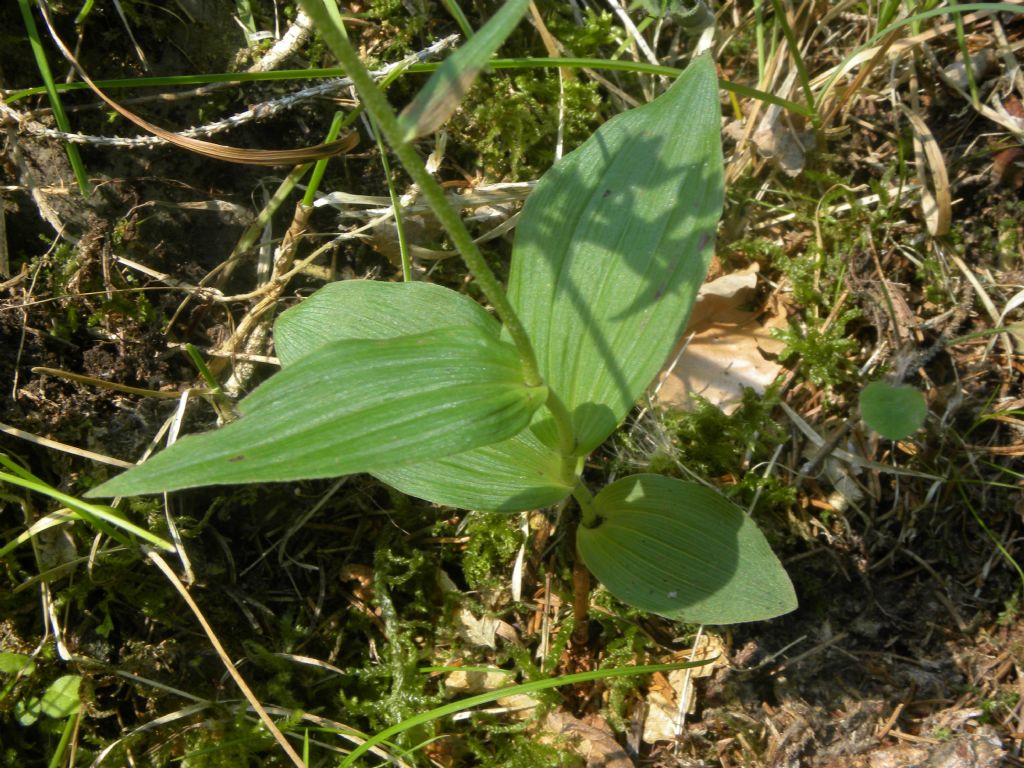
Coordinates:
[683,551]
[16,663]
[612,247]
[443,93]
[510,476]
[353,406]
[26,711]
[893,411]
[371,309]
[61,698]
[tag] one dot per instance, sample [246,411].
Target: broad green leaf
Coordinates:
[510,476]
[16,663]
[61,698]
[371,309]
[516,474]
[355,405]
[893,411]
[612,247]
[445,89]
[683,551]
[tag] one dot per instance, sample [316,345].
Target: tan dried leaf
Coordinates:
[592,739]
[724,348]
[665,692]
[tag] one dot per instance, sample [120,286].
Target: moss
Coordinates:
[521,752]
[623,643]
[494,539]
[711,444]
[825,352]
[395,689]
[396,28]
[511,121]
[587,39]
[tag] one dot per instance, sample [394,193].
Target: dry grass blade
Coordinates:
[228,664]
[843,101]
[936,201]
[827,80]
[209,148]
[104,384]
[46,442]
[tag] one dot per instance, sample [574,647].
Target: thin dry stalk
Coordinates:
[207,148]
[253,319]
[45,442]
[226,660]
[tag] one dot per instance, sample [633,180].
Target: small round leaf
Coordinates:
[893,411]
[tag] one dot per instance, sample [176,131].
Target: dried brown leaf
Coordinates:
[592,739]
[725,348]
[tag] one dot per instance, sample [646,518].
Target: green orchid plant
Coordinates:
[430,392]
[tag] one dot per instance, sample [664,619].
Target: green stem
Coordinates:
[965,53]
[563,422]
[588,513]
[801,67]
[255,230]
[759,37]
[321,165]
[86,9]
[65,738]
[329,23]
[396,206]
[452,6]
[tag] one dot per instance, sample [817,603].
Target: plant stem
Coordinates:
[583,496]
[328,20]
[801,67]
[396,206]
[563,422]
[329,23]
[321,165]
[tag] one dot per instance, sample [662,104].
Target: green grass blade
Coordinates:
[396,206]
[636,67]
[965,54]
[513,690]
[759,37]
[101,516]
[84,13]
[452,6]
[81,177]
[321,165]
[59,754]
[801,66]
[443,93]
